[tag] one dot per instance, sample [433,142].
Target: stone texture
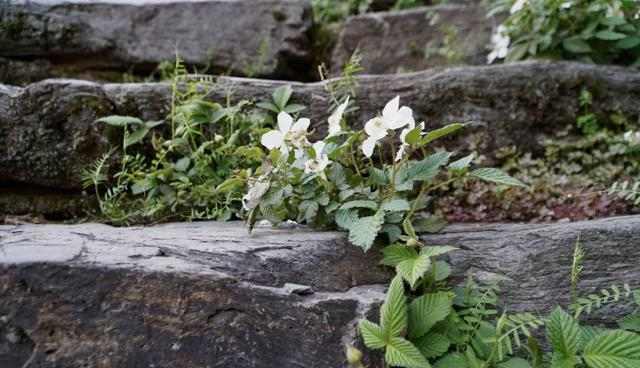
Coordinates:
[210,295]
[180,295]
[79,35]
[408,40]
[536,259]
[48,133]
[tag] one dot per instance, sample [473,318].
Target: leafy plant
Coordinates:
[207,142]
[594,31]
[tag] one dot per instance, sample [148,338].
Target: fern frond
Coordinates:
[576,268]
[613,294]
[95,174]
[626,190]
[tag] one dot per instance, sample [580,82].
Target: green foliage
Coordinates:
[626,190]
[594,31]
[196,149]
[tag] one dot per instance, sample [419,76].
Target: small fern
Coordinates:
[612,294]
[626,190]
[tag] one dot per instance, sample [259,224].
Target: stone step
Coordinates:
[81,38]
[416,39]
[48,133]
[208,294]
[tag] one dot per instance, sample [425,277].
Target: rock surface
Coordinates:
[207,294]
[48,133]
[416,39]
[180,295]
[76,36]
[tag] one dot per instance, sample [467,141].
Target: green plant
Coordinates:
[448,50]
[595,31]
[259,66]
[332,184]
[207,142]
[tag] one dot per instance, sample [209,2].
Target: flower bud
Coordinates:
[353,355]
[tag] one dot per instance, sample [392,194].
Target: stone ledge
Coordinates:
[48,134]
[207,294]
[394,41]
[76,37]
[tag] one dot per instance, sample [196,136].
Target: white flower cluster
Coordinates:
[632,137]
[500,42]
[293,135]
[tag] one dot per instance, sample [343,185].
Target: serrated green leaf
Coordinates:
[496,176]
[436,250]
[377,176]
[441,132]
[120,121]
[413,269]
[346,218]
[293,108]
[443,270]
[281,96]
[135,137]
[393,313]
[452,360]
[615,349]
[515,363]
[462,163]
[413,137]
[563,333]
[268,106]
[372,334]
[631,322]
[394,254]
[229,184]
[561,361]
[364,231]
[517,52]
[588,333]
[425,311]
[428,168]
[396,205]
[429,225]
[359,204]
[182,164]
[402,353]
[432,345]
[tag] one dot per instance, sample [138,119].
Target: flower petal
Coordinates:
[375,128]
[272,139]
[400,152]
[391,107]
[368,145]
[334,125]
[284,122]
[403,117]
[340,110]
[301,125]
[318,147]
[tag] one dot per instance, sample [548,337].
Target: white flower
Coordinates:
[567,4]
[500,41]
[318,164]
[615,10]
[217,138]
[393,117]
[632,137]
[403,136]
[287,130]
[334,119]
[517,6]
